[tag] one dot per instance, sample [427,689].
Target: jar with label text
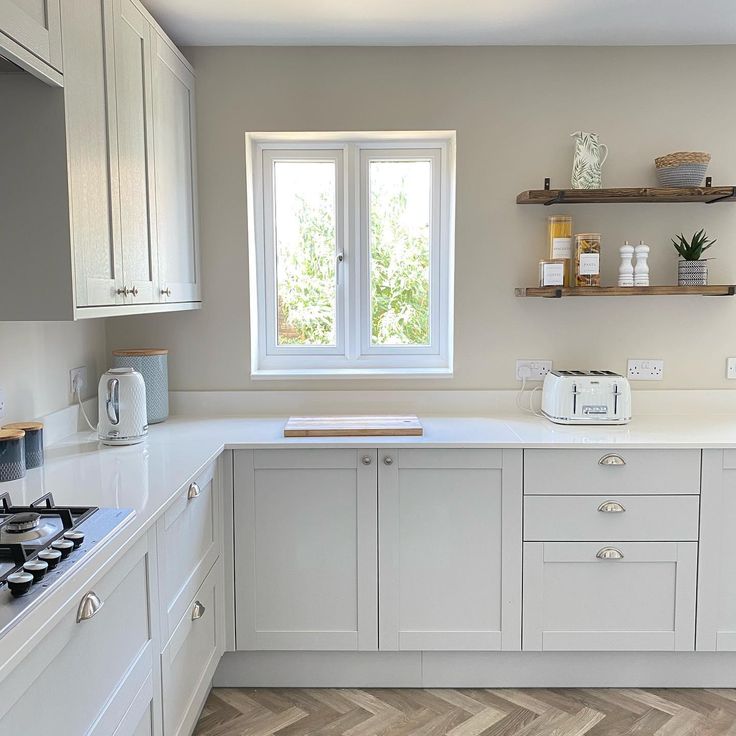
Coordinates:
[559,240]
[588,259]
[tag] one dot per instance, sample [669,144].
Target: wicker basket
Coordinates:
[682,157]
[682,169]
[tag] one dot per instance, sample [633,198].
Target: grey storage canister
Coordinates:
[33,442]
[153,365]
[12,454]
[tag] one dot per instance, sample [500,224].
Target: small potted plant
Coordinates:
[692,269]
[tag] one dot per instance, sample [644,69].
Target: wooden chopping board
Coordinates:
[359,426]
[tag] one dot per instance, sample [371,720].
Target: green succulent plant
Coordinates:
[693,249]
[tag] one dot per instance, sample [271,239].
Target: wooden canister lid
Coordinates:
[25,426]
[139,352]
[11,434]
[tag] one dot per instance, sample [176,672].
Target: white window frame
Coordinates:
[353,355]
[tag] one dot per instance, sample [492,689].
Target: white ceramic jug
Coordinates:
[590,155]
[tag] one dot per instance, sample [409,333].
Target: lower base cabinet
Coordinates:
[305,549]
[92,672]
[189,659]
[449,531]
[717,574]
[613,596]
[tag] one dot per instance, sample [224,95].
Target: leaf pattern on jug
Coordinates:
[587,162]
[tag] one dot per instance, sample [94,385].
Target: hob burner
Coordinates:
[25,522]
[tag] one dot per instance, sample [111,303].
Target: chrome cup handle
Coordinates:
[611,507]
[89,606]
[610,553]
[612,459]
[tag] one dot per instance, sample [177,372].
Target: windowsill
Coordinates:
[314,373]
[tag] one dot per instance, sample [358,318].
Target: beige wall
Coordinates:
[35,360]
[513,109]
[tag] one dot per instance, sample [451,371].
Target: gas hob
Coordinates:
[41,543]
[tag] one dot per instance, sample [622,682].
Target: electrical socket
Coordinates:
[730,367]
[645,369]
[2,403]
[77,378]
[537,369]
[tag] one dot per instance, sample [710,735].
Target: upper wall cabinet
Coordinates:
[175,173]
[30,36]
[100,213]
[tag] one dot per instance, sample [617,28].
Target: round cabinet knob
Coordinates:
[89,606]
[166,291]
[388,460]
[134,291]
[123,291]
[366,459]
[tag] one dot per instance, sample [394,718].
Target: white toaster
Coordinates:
[586,397]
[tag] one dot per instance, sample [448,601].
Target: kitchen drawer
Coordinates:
[188,545]
[640,598]
[191,656]
[88,672]
[620,472]
[629,518]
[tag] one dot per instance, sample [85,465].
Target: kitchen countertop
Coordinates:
[145,477]
[148,476]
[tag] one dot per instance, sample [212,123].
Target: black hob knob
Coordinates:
[37,568]
[19,583]
[76,537]
[64,546]
[50,556]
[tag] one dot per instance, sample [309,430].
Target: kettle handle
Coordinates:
[112,405]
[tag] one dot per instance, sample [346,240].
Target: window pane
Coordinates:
[306,249]
[400,215]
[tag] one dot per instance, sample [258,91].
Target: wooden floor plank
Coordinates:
[468,712]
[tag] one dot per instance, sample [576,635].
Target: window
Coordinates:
[351,253]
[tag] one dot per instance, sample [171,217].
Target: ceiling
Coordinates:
[447,22]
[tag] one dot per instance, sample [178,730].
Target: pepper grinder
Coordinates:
[641,270]
[626,269]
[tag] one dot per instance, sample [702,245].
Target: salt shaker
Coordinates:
[626,269]
[641,270]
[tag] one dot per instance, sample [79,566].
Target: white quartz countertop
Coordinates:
[147,477]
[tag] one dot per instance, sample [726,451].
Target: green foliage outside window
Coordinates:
[399,276]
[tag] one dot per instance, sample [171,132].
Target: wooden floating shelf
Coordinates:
[557,292]
[650,195]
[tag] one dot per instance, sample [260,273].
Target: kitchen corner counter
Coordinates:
[147,477]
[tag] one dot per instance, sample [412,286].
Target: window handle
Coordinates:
[339,258]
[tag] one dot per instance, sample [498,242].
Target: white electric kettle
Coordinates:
[122,407]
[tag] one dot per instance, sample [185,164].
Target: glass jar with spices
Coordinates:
[559,242]
[588,259]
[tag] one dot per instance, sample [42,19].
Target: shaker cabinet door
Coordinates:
[131,138]
[449,549]
[305,549]
[717,572]
[175,172]
[612,596]
[36,26]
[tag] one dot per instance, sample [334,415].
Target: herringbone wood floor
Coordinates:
[534,712]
